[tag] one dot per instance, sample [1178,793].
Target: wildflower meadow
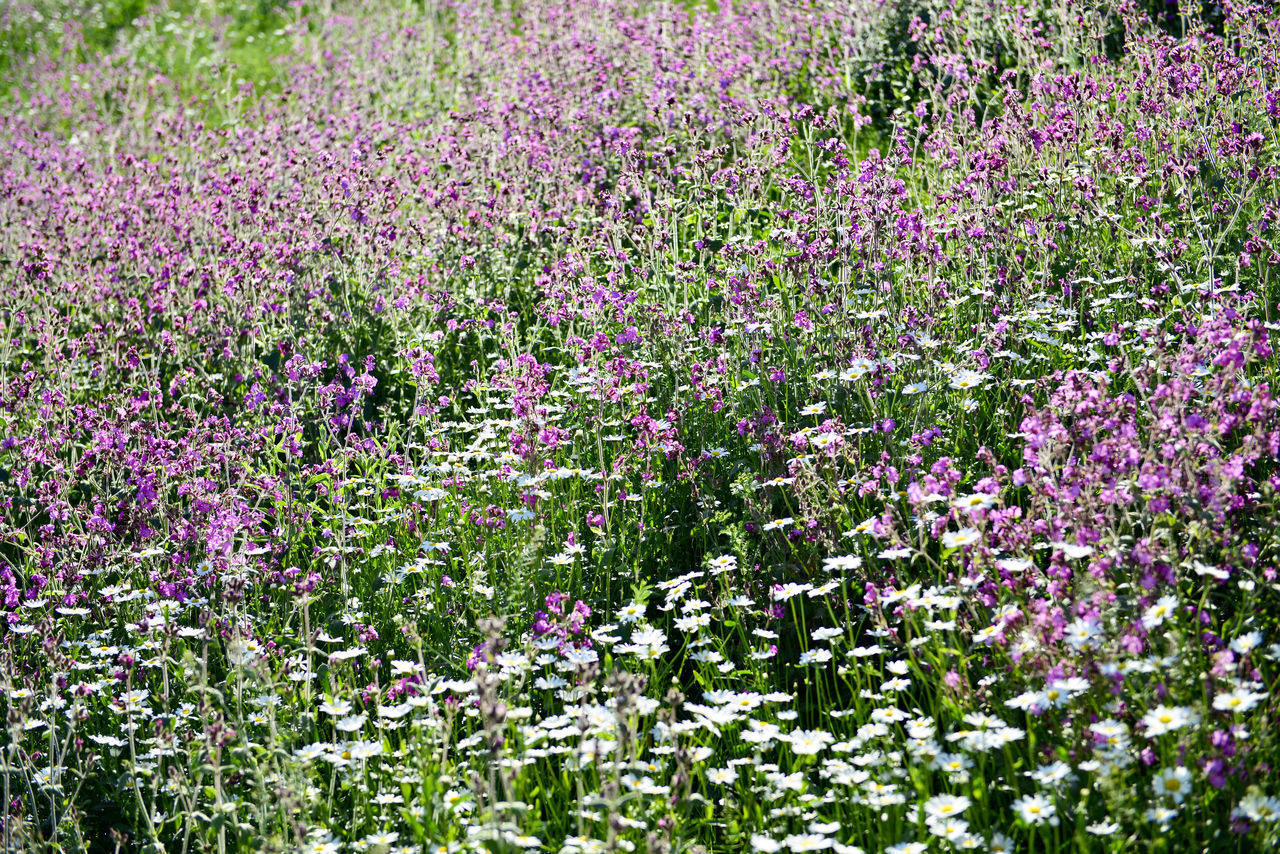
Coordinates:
[639,426]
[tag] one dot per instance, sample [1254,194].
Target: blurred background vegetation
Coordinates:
[246,39]
[178,38]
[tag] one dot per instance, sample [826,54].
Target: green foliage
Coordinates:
[177,39]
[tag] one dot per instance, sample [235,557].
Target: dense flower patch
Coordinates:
[617,426]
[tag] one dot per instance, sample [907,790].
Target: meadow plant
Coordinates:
[625,425]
